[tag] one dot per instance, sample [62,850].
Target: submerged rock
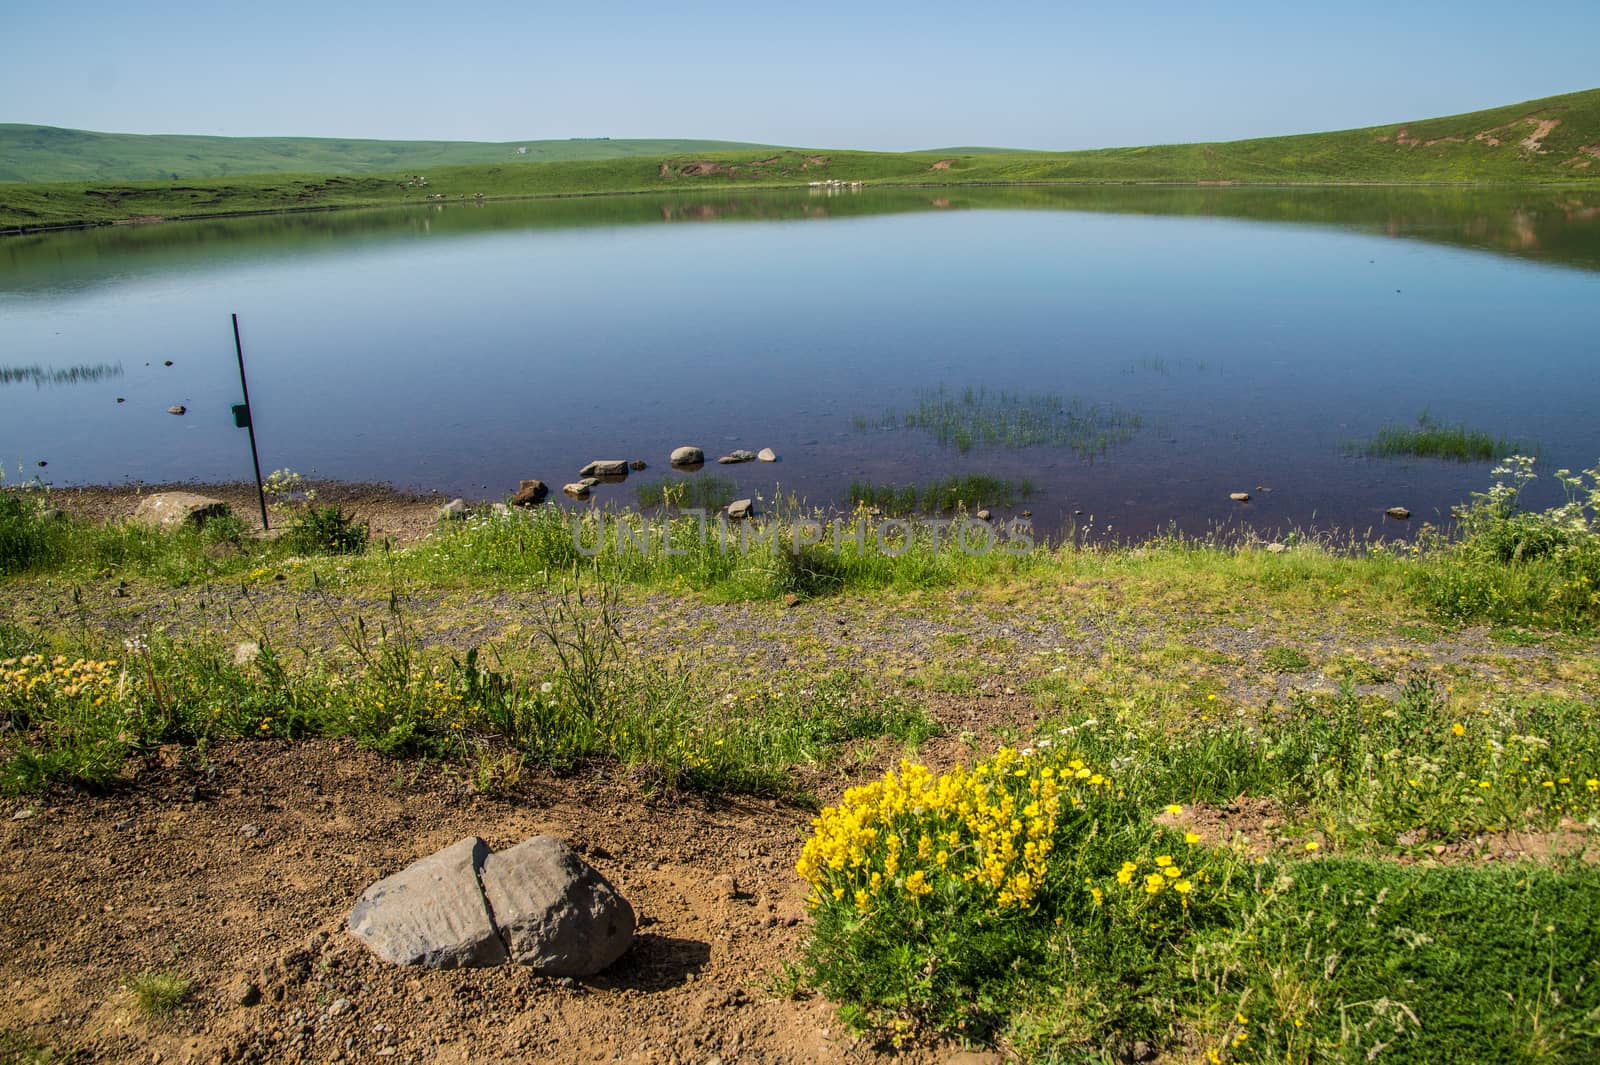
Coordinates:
[576,491]
[740,455]
[638,464]
[179,409]
[1398,513]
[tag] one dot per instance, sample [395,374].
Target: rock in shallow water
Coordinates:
[530,493]
[605,468]
[688,456]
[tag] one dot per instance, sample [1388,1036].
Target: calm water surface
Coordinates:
[1255,333]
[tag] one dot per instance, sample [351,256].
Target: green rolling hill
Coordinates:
[49,153]
[1555,140]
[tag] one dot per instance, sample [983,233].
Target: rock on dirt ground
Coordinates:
[157,876]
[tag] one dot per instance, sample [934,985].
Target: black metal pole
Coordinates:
[250,417]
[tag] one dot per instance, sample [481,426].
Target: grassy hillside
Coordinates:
[1552,140]
[49,153]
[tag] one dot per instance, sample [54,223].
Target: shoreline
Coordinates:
[150,220]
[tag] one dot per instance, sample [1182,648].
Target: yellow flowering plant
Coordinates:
[929,890]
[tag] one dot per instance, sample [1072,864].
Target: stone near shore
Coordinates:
[168,510]
[605,468]
[179,409]
[455,510]
[1239,497]
[738,456]
[741,509]
[766,454]
[536,904]
[530,494]
[1398,513]
[638,464]
[576,491]
[688,456]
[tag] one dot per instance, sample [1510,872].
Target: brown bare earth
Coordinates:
[171,874]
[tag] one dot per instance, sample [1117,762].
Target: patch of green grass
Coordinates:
[18,1048]
[1285,660]
[1310,956]
[160,992]
[970,491]
[577,694]
[1433,440]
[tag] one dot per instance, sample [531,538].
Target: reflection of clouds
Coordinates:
[38,376]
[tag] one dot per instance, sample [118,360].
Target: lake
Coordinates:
[1209,340]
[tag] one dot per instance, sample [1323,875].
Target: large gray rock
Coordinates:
[605,468]
[432,912]
[688,456]
[168,510]
[537,904]
[556,912]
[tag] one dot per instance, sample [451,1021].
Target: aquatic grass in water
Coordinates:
[1432,440]
[971,490]
[704,492]
[980,418]
[38,376]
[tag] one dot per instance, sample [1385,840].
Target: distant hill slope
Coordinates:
[49,153]
[1554,140]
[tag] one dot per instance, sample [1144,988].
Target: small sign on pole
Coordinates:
[243,420]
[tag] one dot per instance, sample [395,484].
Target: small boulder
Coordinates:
[179,409]
[556,913]
[766,454]
[638,464]
[454,510]
[530,494]
[1398,513]
[1239,497]
[738,456]
[741,509]
[688,456]
[1276,548]
[605,468]
[168,510]
[985,514]
[576,491]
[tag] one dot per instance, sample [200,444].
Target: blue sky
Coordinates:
[892,76]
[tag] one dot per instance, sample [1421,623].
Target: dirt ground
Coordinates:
[240,873]
[404,517]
